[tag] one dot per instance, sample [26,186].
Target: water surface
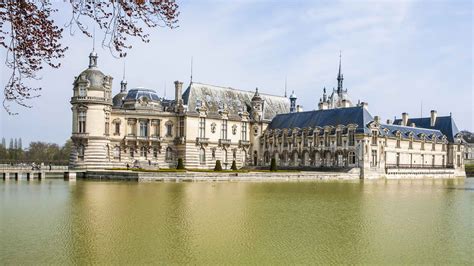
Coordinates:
[58,222]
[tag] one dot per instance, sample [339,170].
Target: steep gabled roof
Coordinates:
[445,124]
[235,100]
[333,117]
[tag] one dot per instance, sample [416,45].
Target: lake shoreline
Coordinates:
[241,176]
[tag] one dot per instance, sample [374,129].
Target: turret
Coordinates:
[293,102]
[91,108]
[257,106]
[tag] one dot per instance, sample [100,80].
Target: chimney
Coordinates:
[404,119]
[178,89]
[299,108]
[365,105]
[377,119]
[434,114]
[412,125]
[389,122]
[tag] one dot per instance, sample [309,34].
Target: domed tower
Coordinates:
[91,107]
[257,106]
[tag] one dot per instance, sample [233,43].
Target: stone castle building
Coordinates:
[203,124]
[206,123]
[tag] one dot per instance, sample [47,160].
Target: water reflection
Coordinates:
[405,221]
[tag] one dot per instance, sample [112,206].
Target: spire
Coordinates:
[93,55]
[285,85]
[123,83]
[340,77]
[191,70]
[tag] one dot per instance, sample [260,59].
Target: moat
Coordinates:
[84,222]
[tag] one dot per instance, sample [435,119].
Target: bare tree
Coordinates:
[32,39]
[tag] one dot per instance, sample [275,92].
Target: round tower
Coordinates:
[91,107]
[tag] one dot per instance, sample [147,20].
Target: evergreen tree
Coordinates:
[218,166]
[180,164]
[20,145]
[4,143]
[234,166]
[273,165]
[11,145]
[15,146]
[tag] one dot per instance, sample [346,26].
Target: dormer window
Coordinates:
[82,90]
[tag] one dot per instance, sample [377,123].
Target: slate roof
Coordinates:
[406,130]
[445,124]
[135,94]
[235,100]
[319,118]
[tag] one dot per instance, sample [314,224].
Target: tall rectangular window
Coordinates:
[326,139]
[157,128]
[181,126]
[351,138]
[117,128]
[143,129]
[374,137]
[374,158]
[338,138]
[224,129]
[169,130]
[202,127]
[244,131]
[82,121]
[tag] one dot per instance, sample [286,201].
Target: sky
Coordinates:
[399,56]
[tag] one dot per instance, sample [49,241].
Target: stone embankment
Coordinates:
[220,176]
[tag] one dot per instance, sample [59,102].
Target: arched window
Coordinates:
[169,154]
[202,156]
[80,152]
[117,152]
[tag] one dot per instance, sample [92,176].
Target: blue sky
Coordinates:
[395,55]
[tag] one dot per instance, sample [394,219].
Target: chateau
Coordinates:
[206,123]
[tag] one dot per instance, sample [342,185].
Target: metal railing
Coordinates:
[418,166]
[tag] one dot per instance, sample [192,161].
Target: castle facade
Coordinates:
[206,123]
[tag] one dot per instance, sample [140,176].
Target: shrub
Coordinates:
[218,166]
[273,165]
[234,166]
[180,165]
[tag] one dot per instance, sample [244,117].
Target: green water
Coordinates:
[83,222]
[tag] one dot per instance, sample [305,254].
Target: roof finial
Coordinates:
[123,83]
[285,85]
[123,78]
[93,54]
[93,39]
